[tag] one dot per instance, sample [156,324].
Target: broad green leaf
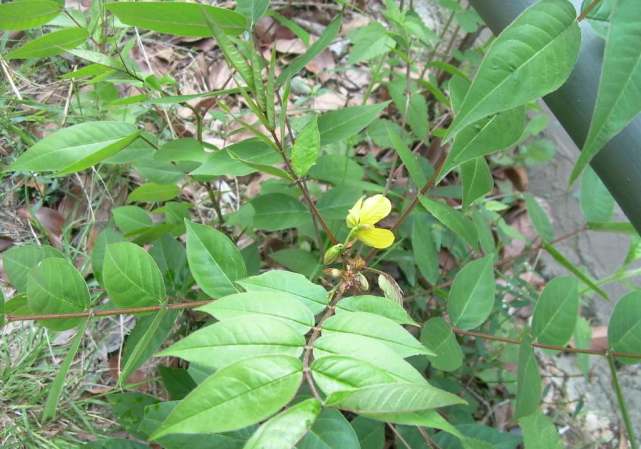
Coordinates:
[618,227]
[596,202]
[277,211]
[471,298]
[185,149]
[287,428]
[234,339]
[624,327]
[50,44]
[330,431]
[375,327]
[583,340]
[377,305]
[532,57]
[313,295]
[373,352]
[417,116]
[214,260]
[263,168]
[55,286]
[539,432]
[19,260]
[484,137]
[131,219]
[114,443]
[478,436]
[539,218]
[619,94]
[176,381]
[409,160]
[369,42]
[56,387]
[562,260]
[437,336]
[106,237]
[77,147]
[371,433]
[556,312]
[341,124]
[148,335]
[236,396]
[221,163]
[337,169]
[298,260]
[424,250]
[306,148]
[24,14]
[2,311]
[477,180]
[454,220]
[528,383]
[425,418]
[177,18]
[151,191]
[335,203]
[314,50]
[283,306]
[252,9]
[131,276]
[392,398]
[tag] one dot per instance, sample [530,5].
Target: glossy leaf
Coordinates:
[477,180]
[19,260]
[531,57]
[452,219]
[377,305]
[437,336]
[341,124]
[221,162]
[596,202]
[282,306]
[131,276]
[77,147]
[539,218]
[330,431]
[50,44]
[528,383]
[105,238]
[177,18]
[306,148]
[284,430]
[619,94]
[55,286]
[369,42]
[277,211]
[152,191]
[25,14]
[556,312]
[471,298]
[214,260]
[624,327]
[539,432]
[131,219]
[231,340]
[236,396]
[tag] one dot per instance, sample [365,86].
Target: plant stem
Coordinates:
[621,401]
[587,10]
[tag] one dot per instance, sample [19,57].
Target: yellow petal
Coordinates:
[376,237]
[374,209]
[353,217]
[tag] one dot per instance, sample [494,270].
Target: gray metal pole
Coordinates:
[618,164]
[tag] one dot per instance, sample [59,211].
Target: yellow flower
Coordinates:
[364,215]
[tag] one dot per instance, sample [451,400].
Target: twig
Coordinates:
[7,74]
[587,10]
[629,429]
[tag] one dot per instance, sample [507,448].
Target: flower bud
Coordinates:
[362,281]
[333,253]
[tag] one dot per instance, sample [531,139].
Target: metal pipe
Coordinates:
[618,164]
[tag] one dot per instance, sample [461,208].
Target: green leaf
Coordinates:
[19,260]
[425,251]
[176,381]
[77,147]
[314,50]
[221,163]
[371,434]
[236,396]
[131,276]
[556,312]
[337,169]
[437,336]
[148,335]
[375,327]
[50,44]
[562,260]
[177,18]
[377,305]
[528,382]
[131,219]
[25,14]
[234,339]
[619,94]
[214,260]
[334,204]
[330,431]
[471,298]
[306,148]
[477,180]
[539,218]
[185,149]
[454,220]
[252,9]
[539,432]
[154,192]
[409,160]
[106,237]
[2,312]
[55,286]
[55,390]
[284,430]
[583,340]
[277,211]
[624,328]
[596,202]
[263,168]
[369,42]
[417,116]
[392,398]
[335,126]
[532,57]
[313,295]
[285,307]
